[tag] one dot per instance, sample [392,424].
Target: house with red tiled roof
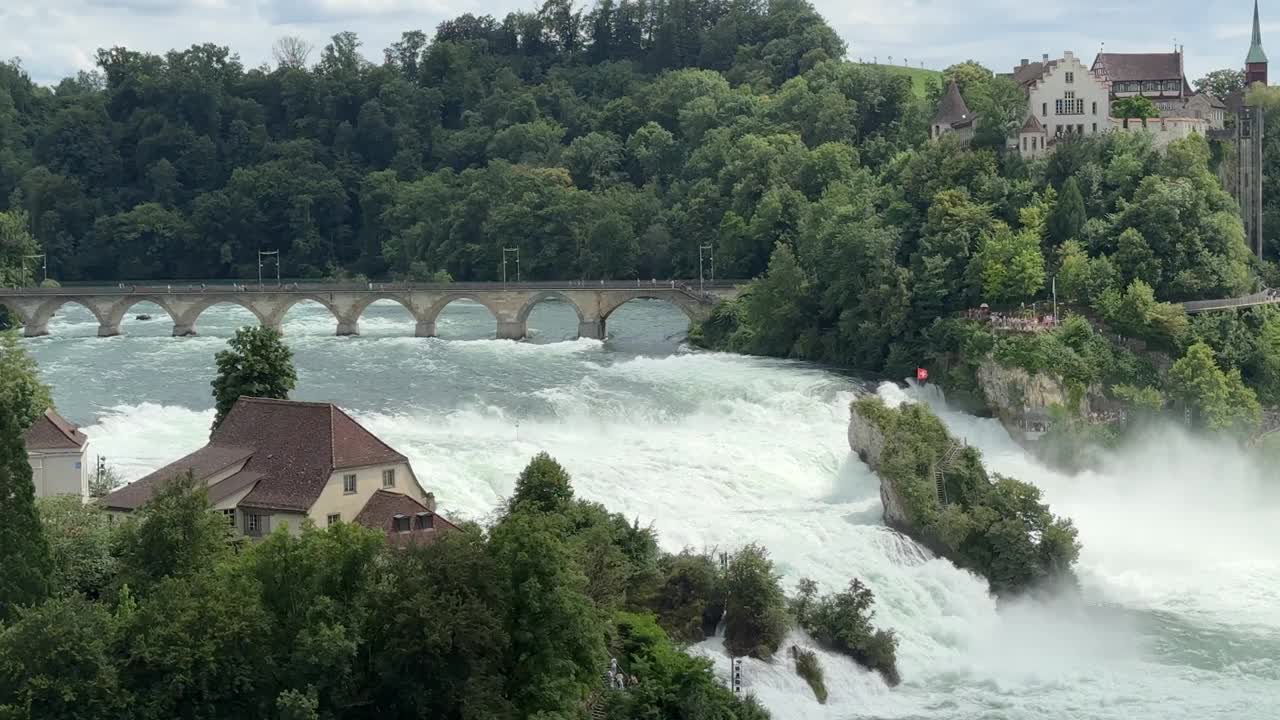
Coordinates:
[281,462]
[56,450]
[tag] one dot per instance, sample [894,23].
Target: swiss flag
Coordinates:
[922,374]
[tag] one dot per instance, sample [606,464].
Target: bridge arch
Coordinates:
[278,309]
[185,322]
[427,322]
[687,305]
[16,311]
[38,322]
[532,302]
[394,308]
[120,310]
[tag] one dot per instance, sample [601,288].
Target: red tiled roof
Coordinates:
[289,448]
[51,431]
[1121,67]
[380,513]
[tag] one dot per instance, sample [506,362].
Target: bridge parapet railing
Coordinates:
[689,287]
[1265,297]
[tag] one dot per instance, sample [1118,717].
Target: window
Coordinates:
[230,515]
[1071,77]
[425,521]
[77,464]
[1095,107]
[1069,95]
[1024,143]
[349,484]
[1095,128]
[1173,85]
[1044,109]
[333,519]
[1057,130]
[1041,142]
[1080,128]
[254,524]
[389,478]
[401,523]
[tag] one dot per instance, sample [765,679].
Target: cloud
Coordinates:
[55,38]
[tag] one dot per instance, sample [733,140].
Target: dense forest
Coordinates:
[615,142]
[607,143]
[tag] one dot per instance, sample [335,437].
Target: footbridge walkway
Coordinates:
[1266,297]
[510,303]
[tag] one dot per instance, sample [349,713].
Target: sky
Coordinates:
[55,38]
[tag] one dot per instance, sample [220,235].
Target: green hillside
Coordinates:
[920,77]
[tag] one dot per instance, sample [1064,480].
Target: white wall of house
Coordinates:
[1068,99]
[335,500]
[60,472]
[1163,130]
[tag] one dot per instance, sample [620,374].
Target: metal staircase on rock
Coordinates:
[939,478]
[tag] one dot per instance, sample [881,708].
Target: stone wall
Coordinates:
[866,439]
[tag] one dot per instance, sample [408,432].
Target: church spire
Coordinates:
[1256,55]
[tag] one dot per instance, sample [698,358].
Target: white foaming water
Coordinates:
[1177,617]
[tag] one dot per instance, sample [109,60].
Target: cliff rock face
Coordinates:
[867,440]
[1012,391]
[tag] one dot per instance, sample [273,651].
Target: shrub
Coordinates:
[690,601]
[755,616]
[808,668]
[842,622]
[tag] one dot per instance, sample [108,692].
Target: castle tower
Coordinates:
[1255,64]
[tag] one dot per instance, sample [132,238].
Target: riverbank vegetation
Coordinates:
[994,525]
[808,668]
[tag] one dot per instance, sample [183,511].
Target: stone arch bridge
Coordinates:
[510,303]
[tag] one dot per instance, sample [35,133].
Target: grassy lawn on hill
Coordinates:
[920,77]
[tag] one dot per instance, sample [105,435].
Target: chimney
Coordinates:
[1045,57]
[1024,62]
[1066,55]
[430,502]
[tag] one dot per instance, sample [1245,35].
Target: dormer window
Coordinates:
[424,521]
[400,523]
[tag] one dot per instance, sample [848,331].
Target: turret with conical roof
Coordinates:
[953,113]
[1255,63]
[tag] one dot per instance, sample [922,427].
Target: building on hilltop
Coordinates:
[1161,78]
[1064,99]
[56,450]
[280,462]
[953,117]
[1255,63]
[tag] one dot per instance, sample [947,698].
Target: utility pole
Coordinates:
[268,253]
[44,265]
[1055,299]
[706,247]
[506,250]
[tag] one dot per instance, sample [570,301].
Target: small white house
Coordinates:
[57,451]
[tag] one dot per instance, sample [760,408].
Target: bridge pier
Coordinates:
[33,329]
[184,329]
[511,330]
[348,327]
[108,329]
[425,329]
[593,329]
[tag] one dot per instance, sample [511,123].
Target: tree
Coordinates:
[968,75]
[1068,216]
[24,551]
[172,535]
[1221,83]
[80,546]
[16,245]
[842,622]
[258,364]
[61,660]
[543,486]
[755,613]
[21,392]
[1134,108]
[291,51]
[1216,400]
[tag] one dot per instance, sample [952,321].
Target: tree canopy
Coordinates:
[256,364]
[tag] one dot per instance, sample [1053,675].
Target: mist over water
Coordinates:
[1179,610]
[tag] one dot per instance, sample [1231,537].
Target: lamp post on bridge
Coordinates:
[707,248]
[44,265]
[270,253]
[506,250]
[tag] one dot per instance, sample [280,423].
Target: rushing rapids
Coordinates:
[1180,616]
